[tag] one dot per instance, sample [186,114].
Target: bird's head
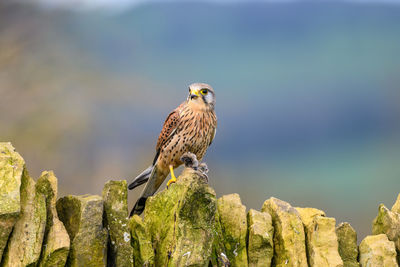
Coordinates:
[201,95]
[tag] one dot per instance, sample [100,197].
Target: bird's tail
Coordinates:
[155,180]
[141,178]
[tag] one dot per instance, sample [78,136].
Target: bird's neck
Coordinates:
[199,107]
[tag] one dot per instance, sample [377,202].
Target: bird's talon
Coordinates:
[171,181]
[173,178]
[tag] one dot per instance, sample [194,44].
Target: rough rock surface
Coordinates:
[143,253]
[322,243]
[115,196]
[396,206]
[260,238]
[348,249]
[289,237]
[25,243]
[11,169]
[387,222]
[307,215]
[56,242]
[321,239]
[83,219]
[377,250]
[178,215]
[234,226]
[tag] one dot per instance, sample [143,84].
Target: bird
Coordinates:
[191,127]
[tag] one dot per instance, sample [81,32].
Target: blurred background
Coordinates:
[308,95]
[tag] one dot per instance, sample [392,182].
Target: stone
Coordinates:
[260,238]
[289,237]
[25,243]
[322,243]
[321,239]
[348,249]
[11,169]
[83,218]
[388,223]
[115,197]
[219,257]
[396,206]
[56,242]
[181,221]
[377,250]
[307,215]
[143,253]
[233,221]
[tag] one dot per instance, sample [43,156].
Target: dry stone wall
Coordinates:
[185,225]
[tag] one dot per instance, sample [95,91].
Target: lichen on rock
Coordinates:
[322,244]
[233,221]
[348,249]
[25,243]
[377,250]
[177,216]
[56,242]
[388,223]
[83,219]
[143,253]
[115,196]
[321,239]
[396,205]
[11,169]
[289,237]
[260,238]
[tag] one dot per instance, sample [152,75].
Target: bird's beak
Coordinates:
[194,94]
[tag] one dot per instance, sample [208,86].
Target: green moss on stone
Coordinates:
[181,222]
[11,169]
[56,243]
[83,219]
[143,253]
[260,238]
[25,243]
[115,198]
[234,227]
[289,237]
[348,249]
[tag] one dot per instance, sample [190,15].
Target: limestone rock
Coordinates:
[396,206]
[322,243]
[348,249]
[377,250]
[321,239]
[25,243]
[181,222]
[307,215]
[56,243]
[219,257]
[234,227]
[11,168]
[388,223]
[289,237]
[260,249]
[83,219]
[115,198]
[143,253]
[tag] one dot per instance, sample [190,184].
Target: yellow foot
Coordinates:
[173,178]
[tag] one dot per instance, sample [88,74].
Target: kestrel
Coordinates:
[191,127]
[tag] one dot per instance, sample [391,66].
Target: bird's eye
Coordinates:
[203,92]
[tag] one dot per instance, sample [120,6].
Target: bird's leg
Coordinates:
[173,178]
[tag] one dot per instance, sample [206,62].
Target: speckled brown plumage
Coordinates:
[191,127]
[193,131]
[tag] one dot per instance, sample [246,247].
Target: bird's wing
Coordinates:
[213,136]
[168,129]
